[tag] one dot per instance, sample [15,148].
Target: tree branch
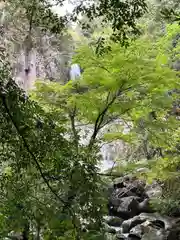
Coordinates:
[28,149]
[38,165]
[100,117]
[73,126]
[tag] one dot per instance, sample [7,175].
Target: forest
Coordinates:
[90,120]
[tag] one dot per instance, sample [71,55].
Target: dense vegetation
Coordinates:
[51,185]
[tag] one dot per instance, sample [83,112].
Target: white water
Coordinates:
[110,152]
[75,72]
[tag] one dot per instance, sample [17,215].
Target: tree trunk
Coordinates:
[25,233]
[38,229]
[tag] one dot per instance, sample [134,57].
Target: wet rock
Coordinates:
[110,230]
[137,187]
[122,192]
[133,217]
[137,231]
[128,207]
[145,206]
[114,221]
[155,218]
[130,223]
[122,236]
[173,234]
[154,234]
[157,224]
[133,237]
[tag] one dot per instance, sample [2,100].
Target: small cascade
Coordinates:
[75,72]
[110,152]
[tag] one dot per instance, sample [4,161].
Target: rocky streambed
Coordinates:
[131,216]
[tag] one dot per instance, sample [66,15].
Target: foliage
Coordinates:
[122,84]
[128,84]
[39,14]
[168,203]
[121,15]
[50,182]
[42,188]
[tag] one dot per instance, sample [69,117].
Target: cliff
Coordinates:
[48,54]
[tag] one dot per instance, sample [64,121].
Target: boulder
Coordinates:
[122,192]
[154,234]
[137,231]
[123,181]
[156,219]
[137,187]
[130,223]
[132,217]
[122,236]
[114,221]
[153,190]
[145,206]
[109,229]
[173,234]
[147,230]
[128,207]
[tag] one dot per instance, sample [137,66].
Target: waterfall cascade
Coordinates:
[75,72]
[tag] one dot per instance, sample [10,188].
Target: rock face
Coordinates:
[132,218]
[36,55]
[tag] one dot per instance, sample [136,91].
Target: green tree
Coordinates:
[44,180]
[126,84]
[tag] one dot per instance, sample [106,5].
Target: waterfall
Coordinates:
[110,152]
[75,72]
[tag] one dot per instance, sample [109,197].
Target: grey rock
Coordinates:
[130,223]
[114,221]
[154,234]
[122,236]
[130,200]
[173,234]
[128,207]
[153,190]
[145,206]
[111,229]
[154,218]
[137,231]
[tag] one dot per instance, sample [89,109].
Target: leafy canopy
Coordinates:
[124,83]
